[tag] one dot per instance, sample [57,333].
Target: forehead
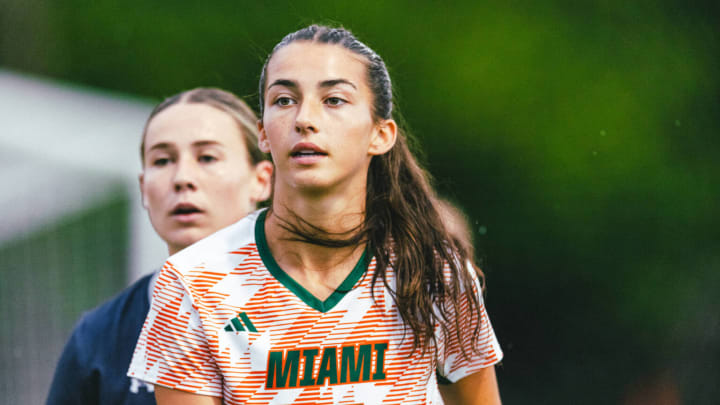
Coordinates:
[310,62]
[190,123]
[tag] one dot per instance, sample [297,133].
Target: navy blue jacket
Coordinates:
[93,364]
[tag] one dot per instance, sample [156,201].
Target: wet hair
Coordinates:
[403,225]
[224,101]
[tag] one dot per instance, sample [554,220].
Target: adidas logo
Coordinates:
[240,323]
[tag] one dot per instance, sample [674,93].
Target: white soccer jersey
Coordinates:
[227,321]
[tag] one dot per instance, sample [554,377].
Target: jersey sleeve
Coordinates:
[453,364]
[173,350]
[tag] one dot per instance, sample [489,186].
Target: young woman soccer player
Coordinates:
[349,288]
[201,171]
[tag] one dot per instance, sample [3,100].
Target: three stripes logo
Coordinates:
[241,323]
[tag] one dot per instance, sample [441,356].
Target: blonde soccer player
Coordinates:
[201,171]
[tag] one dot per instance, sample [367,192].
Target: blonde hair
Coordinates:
[223,101]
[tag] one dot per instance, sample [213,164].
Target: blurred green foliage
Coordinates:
[580,137]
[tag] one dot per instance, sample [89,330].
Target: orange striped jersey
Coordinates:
[226,321]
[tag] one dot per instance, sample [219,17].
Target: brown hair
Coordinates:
[223,101]
[403,225]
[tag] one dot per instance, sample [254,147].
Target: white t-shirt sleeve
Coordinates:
[172,349]
[452,363]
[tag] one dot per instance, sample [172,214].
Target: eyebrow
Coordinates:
[167,145]
[335,82]
[205,143]
[324,84]
[284,82]
[161,145]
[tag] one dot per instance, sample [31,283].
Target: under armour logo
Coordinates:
[135,385]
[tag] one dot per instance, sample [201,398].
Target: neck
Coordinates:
[320,269]
[172,249]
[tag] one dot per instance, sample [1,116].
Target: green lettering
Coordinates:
[328,366]
[277,379]
[348,364]
[307,379]
[380,363]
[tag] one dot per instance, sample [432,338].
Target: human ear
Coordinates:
[263,181]
[263,143]
[141,182]
[384,137]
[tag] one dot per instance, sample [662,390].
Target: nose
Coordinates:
[184,178]
[306,119]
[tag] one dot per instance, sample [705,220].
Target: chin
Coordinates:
[311,184]
[187,237]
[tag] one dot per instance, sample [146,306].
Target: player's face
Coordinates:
[318,122]
[196,175]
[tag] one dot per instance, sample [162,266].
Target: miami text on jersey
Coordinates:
[355,365]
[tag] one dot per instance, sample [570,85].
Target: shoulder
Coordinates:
[132,299]
[222,243]
[197,268]
[118,317]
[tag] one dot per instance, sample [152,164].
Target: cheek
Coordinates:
[153,189]
[154,201]
[229,202]
[228,188]
[276,125]
[357,133]
[356,120]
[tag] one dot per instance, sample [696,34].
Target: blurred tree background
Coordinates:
[581,138]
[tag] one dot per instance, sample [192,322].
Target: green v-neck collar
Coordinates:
[295,287]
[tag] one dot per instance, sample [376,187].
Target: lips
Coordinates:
[184,209]
[307,149]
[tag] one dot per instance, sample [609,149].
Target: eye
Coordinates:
[207,159]
[284,101]
[159,162]
[335,101]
